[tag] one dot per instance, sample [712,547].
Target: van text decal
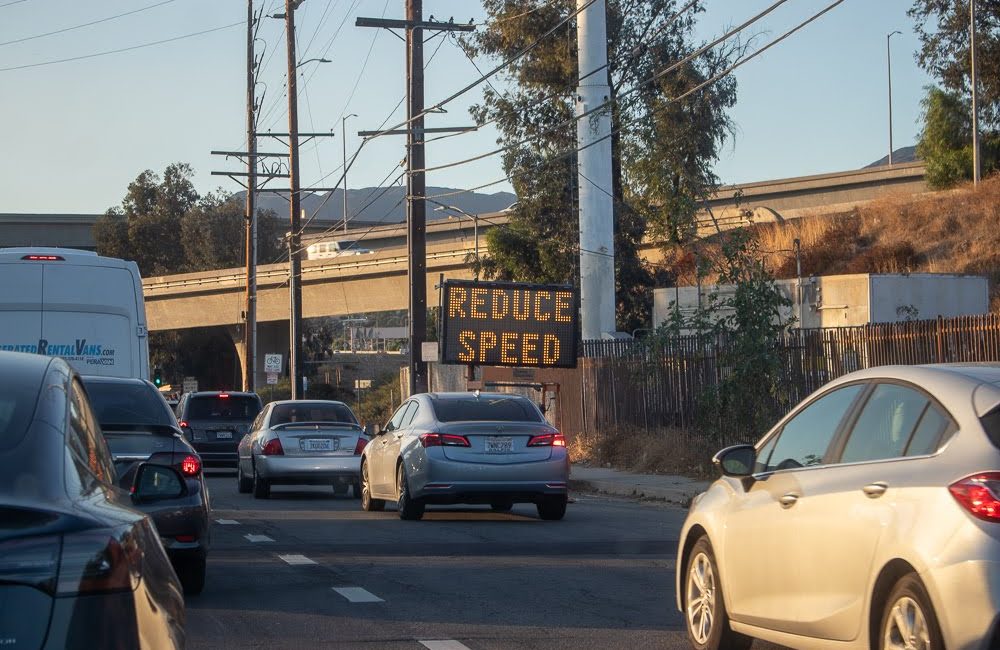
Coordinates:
[91,354]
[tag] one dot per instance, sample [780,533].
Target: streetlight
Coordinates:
[343,136]
[302,63]
[888,62]
[475,221]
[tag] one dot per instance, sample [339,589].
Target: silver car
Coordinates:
[867,517]
[444,448]
[303,442]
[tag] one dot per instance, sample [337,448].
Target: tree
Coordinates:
[213,234]
[945,142]
[662,150]
[943,29]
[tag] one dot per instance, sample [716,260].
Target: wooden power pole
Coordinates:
[250,323]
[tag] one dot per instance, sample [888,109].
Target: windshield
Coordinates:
[121,403]
[305,412]
[473,409]
[215,407]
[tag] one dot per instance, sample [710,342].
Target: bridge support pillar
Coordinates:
[272,338]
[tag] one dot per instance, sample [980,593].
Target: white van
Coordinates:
[76,305]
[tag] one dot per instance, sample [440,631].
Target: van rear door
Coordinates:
[20,306]
[89,318]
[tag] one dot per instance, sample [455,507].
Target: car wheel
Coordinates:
[192,575]
[908,620]
[261,486]
[501,506]
[552,508]
[409,508]
[243,483]
[368,502]
[704,607]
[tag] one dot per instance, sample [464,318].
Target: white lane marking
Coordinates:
[258,538]
[296,559]
[444,644]
[358,595]
[227,522]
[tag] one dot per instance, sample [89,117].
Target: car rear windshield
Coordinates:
[17,405]
[304,412]
[119,403]
[493,409]
[991,423]
[215,407]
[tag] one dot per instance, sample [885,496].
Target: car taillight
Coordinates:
[360,447]
[548,440]
[979,494]
[273,448]
[443,440]
[43,258]
[31,561]
[183,424]
[95,561]
[190,466]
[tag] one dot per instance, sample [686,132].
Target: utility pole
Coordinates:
[250,324]
[976,162]
[416,215]
[343,137]
[294,248]
[597,242]
[888,65]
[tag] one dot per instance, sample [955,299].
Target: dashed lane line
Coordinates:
[227,522]
[296,559]
[358,595]
[443,644]
[258,538]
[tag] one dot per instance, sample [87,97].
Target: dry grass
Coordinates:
[666,451]
[957,231]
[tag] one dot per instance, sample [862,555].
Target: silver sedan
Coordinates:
[868,517]
[303,442]
[444,448]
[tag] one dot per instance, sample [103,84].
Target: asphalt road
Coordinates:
[306,569]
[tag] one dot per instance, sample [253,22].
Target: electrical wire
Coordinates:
[319,25]
[93,22]
[570,152]
[7,4]
[123,49]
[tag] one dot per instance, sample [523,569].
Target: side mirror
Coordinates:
[156,482]
[378,429]
[737,460]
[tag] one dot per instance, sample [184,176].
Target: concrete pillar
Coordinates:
[272,338]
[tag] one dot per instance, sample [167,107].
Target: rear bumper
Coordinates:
[305,470]
[444,481]
[968,602]
[217,453]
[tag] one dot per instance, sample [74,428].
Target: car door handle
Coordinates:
[875,490]
[788,500]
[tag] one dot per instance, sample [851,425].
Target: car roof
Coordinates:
[105,379]
[280,402]
[216,393]
[25,367]
[471,395]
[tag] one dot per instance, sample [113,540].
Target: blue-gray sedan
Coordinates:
[446,448]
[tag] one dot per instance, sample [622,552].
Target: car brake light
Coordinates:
[96,562]
[185,539]
[273,448]
[223,396]
[43,258]
[548,440]
[360,447]
[979,494]
[190,466]
[443,440]
[183,424]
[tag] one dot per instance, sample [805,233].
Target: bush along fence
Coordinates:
[696,384]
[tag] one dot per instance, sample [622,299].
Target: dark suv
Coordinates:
[215,421]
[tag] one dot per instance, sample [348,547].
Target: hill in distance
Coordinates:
[382,204]
[901,155]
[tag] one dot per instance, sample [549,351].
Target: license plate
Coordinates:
[320,445]
[223,435]
[499,445]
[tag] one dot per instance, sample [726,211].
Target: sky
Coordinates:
[76,133]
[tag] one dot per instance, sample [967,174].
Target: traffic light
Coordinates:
[157,377]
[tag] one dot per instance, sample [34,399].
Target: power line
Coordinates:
[123,49]
[7,4]
[319,25]
[707,82]
[93,22]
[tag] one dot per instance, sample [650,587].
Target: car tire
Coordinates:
[501,506]
[409,508]
[706,619]
[909,603]
[192,575]
[261,486]
[356,490]
[244,484]
[368,502]
[552,508]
